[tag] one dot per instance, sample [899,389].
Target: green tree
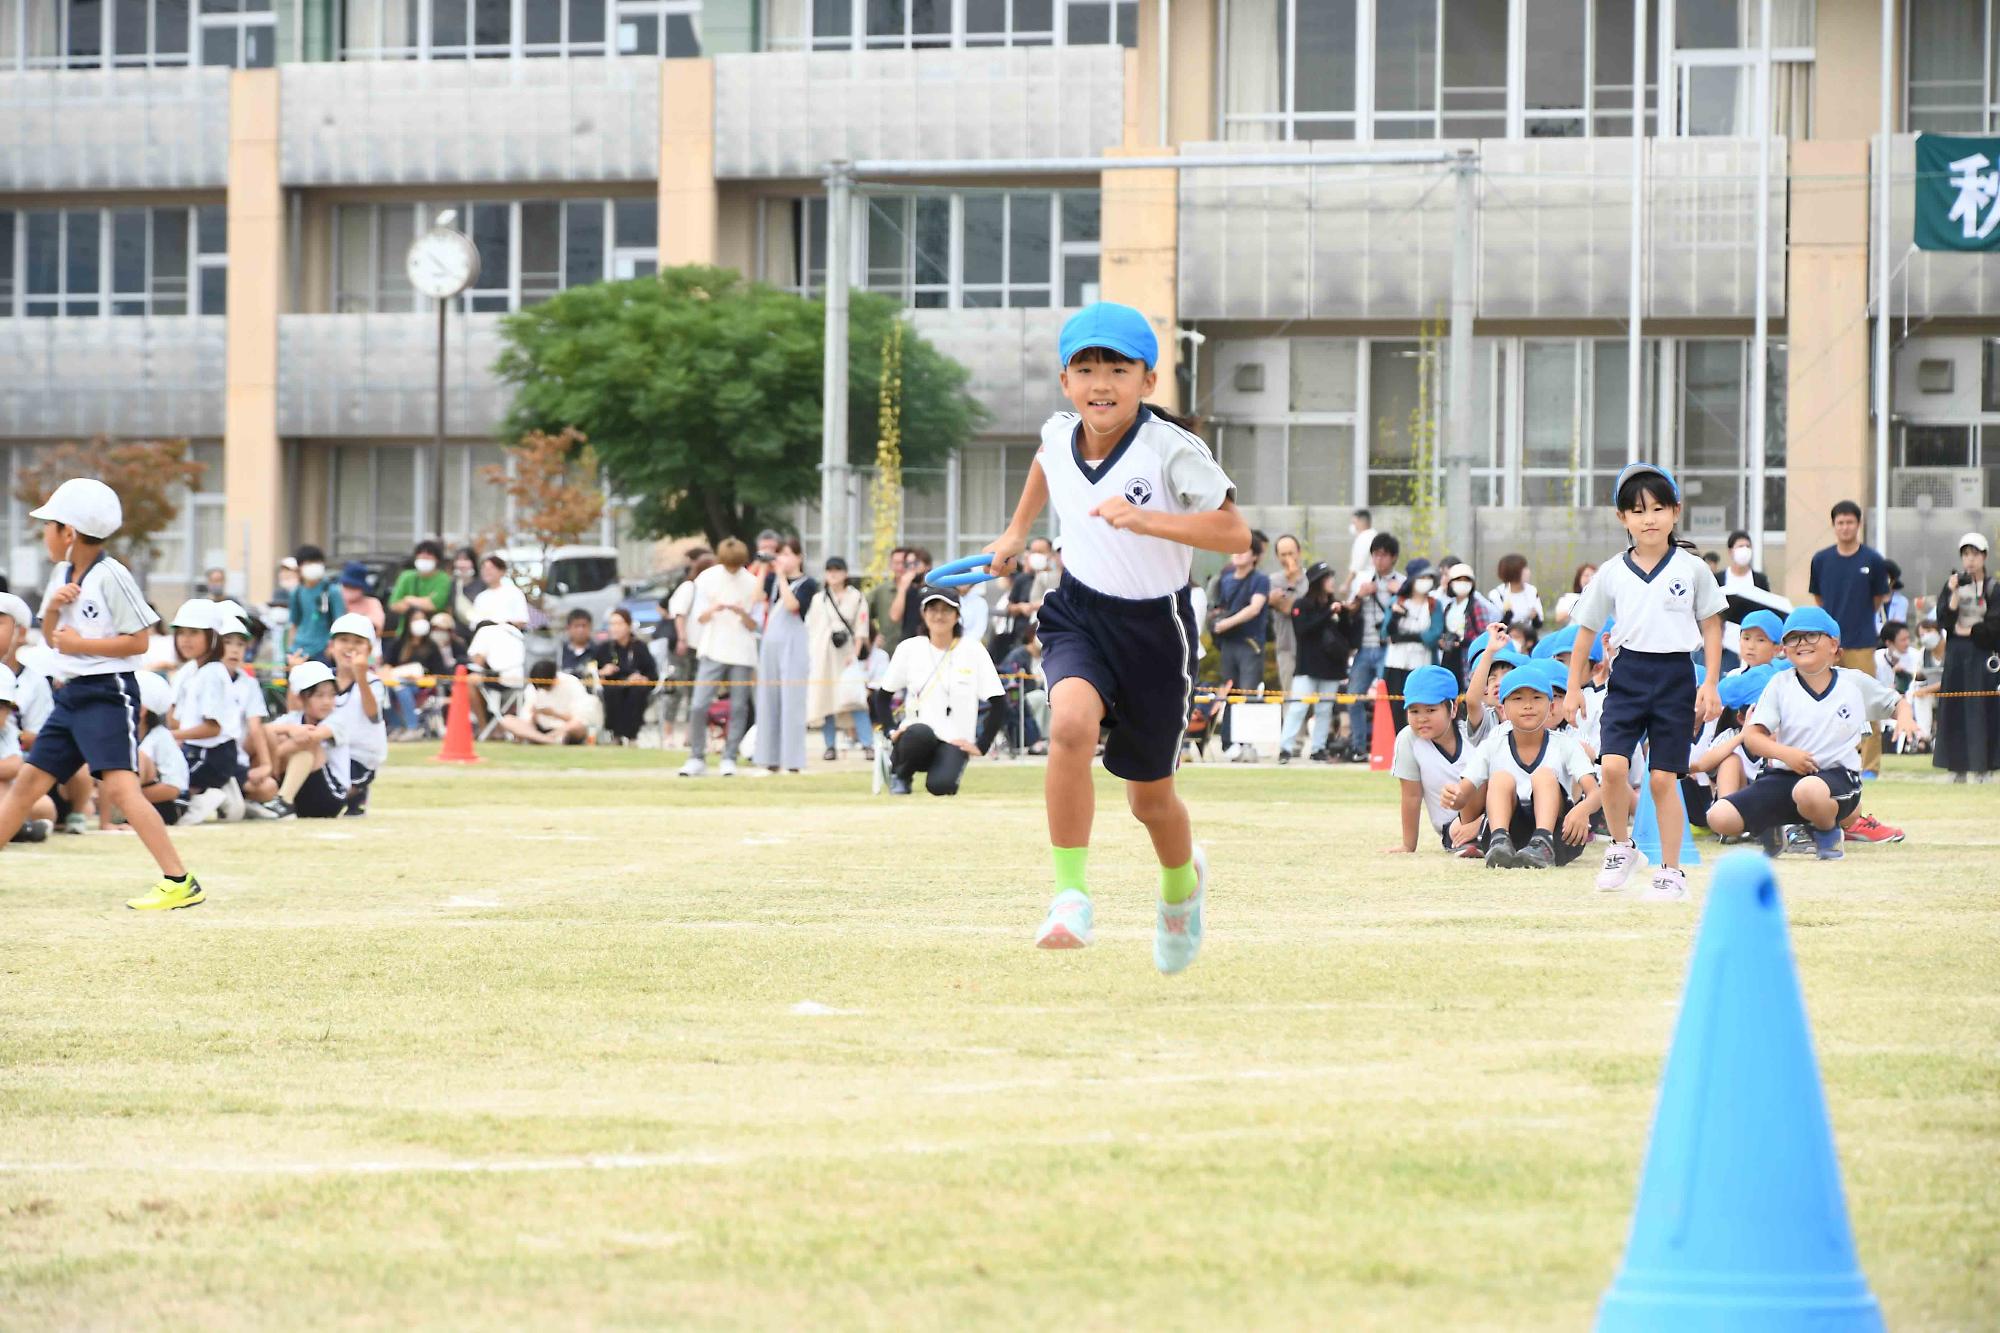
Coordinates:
[700,393]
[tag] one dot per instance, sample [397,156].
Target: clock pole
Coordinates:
[442,263]
[437,441]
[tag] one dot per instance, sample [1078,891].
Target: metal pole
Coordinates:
[1464,303]
[1166,28]
[437,440]
[1881,532]
[833,412]
[1760,338]
[868,168]
[1635,298]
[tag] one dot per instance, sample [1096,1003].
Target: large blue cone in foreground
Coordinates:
[1741,1224]
[1646,824]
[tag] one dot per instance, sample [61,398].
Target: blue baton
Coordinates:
[962,573]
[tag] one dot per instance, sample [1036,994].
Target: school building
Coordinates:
[204,211]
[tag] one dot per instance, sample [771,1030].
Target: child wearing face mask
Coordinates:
[311,606]
[1466,616]
[1411,631]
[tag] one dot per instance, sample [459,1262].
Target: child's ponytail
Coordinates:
[1188,424]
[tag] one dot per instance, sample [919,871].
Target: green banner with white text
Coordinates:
[1958,192]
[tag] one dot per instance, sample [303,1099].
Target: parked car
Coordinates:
[577,576]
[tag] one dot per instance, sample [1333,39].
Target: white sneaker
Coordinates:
[757,772]
[232,801]
[693,768]
[1620,860]
[202,807]
[729,768]
[1669,886]
[1234,754]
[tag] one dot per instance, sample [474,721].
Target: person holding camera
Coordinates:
[1968,612]
[837,627]
[1321,639]
[1411,630]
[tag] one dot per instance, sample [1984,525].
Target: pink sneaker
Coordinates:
[1620,860]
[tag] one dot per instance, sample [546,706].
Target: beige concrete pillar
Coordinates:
[1829,445]
[1847,65]
[687,162]
[1191,47]
[252,465]
[1139,231]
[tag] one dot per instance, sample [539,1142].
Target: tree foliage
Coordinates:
[151,477]
[558,500]
[701,393]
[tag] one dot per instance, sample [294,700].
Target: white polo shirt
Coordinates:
[1827,726]
[366,740]
[1419,760]
[109,605]
[1498,754]
[248,695]
[1657,612]
[169,762]
[204,693]
[1155,465]
[339,762]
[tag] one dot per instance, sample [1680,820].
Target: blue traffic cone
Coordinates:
[1646,822]
[1741,1224]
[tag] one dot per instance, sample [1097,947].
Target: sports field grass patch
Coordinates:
[560,1039]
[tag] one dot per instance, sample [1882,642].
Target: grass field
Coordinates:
[563,1042]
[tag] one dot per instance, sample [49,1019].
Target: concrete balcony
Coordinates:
[460,122]
[375,376]
[787,114]
[73,378]
[1012,357]
[119,129]
[1349,243]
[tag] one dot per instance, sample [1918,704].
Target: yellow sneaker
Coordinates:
[167,895]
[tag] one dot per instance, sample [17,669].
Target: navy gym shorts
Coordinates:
[1140,656]
[95,721]
[1650,698]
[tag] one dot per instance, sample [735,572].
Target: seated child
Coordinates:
[1724,763]
[203,717]
[1491,660]
[163,766]
[310,747]
[1807,727]
[362,705]
[41,818]
[558,714]
[1531,782]
[1757,642]
[246,695]
[1431,752]
[1590,712]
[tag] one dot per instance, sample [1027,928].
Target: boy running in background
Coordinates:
[1135,494]
[1807,728]
[96,619]
[1431,753]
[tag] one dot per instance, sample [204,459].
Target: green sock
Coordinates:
[1069,868]
[1178,883]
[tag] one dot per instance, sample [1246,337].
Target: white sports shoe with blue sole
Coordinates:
[1067,925]
[1177,926]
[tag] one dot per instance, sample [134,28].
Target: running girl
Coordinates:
[1135,493]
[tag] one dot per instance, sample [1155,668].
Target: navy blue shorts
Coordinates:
[1768,802]
[359,780]
[95,721]
[318,800]
[212,766]
[1140,657]
[1521,827]
[1650,698]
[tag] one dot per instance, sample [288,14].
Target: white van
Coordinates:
[577,576]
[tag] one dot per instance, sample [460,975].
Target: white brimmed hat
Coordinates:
[352,623]
[227,625]
[86,504]
[1975,540]
[195,613]
[15,609]
[8,694]
[155,695]
[308,674]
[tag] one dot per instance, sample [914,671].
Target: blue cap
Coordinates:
[1768,622]
[1599,639]
[1562,641]
[1744,688]
[1538,681]
[1634,469]
[1117,328]
[1430,685]
[1700,674]
[1812,620]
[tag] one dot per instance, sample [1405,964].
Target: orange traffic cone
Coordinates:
[1382,743]
[457,747]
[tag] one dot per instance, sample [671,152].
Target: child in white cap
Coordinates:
[361,706]
[310,747]
[12,762]
[96,619]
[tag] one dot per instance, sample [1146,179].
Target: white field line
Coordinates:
[692,1158]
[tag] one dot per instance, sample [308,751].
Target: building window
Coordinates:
[528,250]
[117,261]
[1013,248]
[500,29]
[1713,419]
[240,34]
[379,496]
[1951,66]
[990,478]
[847,25]
[1473,69]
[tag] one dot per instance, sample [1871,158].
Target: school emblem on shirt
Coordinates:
[1677,588]
[88,610]
[1138,490]
[1845,713]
